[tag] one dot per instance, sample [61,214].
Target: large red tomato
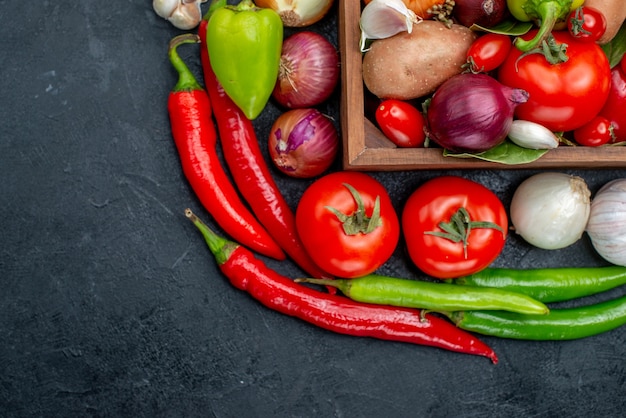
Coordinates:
[347,223]
[453,227]
[563,96]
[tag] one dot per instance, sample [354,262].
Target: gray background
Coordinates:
[111,305]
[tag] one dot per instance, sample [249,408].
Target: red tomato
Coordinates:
[438,202]
[401,122]
[586,24]
[614,108]
[595,133]
[563,96]
[623,63]
[320,225]
[488,52]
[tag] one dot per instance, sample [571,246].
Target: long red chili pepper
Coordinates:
[249,170]
[196,139]
[333,312]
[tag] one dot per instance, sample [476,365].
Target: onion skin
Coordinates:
[485,13]
[298,13]
[309,70]
[472,112]
[550,210]
[303,143]
[607,222]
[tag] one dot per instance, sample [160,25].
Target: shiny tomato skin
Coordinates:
[436,201]
[563,96]
[593,24]
[402,123]
[322,233]
[615,105]
[595,133]
[488,52]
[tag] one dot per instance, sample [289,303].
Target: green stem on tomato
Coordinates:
[460,226]
[358,221]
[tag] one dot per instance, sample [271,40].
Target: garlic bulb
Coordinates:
[550,210]
[532,135]
[183,14]
[384,18]
[607,222]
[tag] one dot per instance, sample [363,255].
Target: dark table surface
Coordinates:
[111,304]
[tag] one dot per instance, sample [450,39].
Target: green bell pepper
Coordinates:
[244,44]
[545,13]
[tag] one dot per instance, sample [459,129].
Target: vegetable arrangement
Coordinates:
[559,53]
[346,226]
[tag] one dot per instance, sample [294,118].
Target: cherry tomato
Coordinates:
[563,96]
[595,133]
[586,24]
[341,228]
[430,224]
[488,52]
[623,63]
[401,122]
[615,104]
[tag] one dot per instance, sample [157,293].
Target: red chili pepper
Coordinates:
[196,139]
[333,312]
[249,170]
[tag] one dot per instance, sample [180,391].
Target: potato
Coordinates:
[615,13]
[412,65]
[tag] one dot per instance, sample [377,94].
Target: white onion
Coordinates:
[298,13]
[607,222]
[550,210]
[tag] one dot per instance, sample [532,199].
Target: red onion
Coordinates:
[485,13]
[472,112]
[309,70]
[303,143]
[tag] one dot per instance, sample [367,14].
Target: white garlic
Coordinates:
[183,14]
[607,222]
[532,135]
[384,18]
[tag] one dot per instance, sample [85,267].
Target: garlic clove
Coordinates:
[532,135]
[183,14]
[165,8]
[384,18]
[607,222]
[187,15]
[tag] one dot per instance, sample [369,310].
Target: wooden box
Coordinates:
[365,148]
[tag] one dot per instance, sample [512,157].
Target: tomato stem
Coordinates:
[459,227]
[358,221]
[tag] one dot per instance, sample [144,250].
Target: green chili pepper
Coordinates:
[545,13]
[244,44]
[384,290]
[559,324]
[549,284]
